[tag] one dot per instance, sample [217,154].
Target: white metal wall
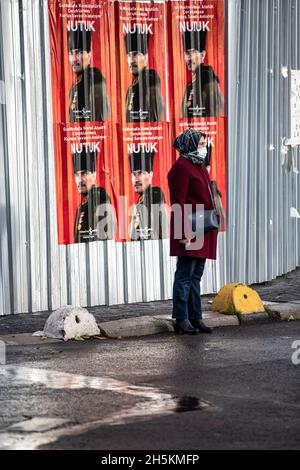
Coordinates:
[261,242]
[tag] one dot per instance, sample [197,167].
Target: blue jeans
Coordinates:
[186,288]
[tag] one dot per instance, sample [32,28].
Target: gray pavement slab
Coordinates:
[258,317]
[26,338]
[143,326]
[139,326]
[284,311]
[216,319]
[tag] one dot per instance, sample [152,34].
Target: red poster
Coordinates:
[124,84]
[84,101]
[144,115]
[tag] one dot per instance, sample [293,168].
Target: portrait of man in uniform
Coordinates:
[202,96]
[95,218]
[144,102]
[88,100]
[150,219]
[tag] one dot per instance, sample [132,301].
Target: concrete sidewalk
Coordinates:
[155,317]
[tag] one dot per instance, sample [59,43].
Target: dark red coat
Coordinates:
[188,184]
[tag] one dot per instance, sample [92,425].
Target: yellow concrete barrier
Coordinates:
[237,298]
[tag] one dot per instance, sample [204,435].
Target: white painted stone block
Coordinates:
[69,321]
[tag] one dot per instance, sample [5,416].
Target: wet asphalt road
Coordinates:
[234,389]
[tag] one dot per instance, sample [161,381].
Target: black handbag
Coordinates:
[208,219]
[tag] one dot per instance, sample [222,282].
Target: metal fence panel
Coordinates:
[262,240]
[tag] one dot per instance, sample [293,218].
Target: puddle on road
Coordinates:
[185,404]
[38,424]
[154,403]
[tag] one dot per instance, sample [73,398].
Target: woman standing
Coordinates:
[189,183]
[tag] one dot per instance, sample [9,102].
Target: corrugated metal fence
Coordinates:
[261,242]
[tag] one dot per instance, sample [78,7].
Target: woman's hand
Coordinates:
[185,241]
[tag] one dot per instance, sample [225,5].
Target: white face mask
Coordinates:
[202,152]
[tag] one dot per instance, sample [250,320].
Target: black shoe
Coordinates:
[184,327]
[200,326]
